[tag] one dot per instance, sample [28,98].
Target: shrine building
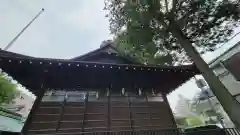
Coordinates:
[101,91]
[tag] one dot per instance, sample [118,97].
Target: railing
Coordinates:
[232,131]
[227,131]
[10,114]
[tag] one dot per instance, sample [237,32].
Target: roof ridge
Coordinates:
[94,51]
[223,53]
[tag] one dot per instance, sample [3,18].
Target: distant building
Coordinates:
[22,104]
[227,68]
[208,107]
[185,117]
[183,107]
[10,124]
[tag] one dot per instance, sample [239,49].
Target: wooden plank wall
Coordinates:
[95,116]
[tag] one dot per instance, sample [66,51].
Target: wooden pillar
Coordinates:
[39,95]
[169,110]
[85,111]
[149,110]
[32,113]
[109,109]
[130,113]
[61,112]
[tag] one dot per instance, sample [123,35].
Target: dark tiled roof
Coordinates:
[72,74]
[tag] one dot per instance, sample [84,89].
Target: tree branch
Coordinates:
[174,6]
[160,18]
[182,21]
[166,4]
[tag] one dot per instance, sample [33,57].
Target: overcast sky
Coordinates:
[66,29]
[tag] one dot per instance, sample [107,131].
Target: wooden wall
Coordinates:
[95,116]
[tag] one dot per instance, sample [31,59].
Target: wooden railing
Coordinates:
[226,131]
[10,114]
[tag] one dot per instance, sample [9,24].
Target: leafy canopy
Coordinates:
[140,55]
[7,90]
[148,25]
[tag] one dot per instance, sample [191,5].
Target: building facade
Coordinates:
[210,110]
[101,91]
[22,104]
[227,68]
[25,101]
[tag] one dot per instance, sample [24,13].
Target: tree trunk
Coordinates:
[230,105]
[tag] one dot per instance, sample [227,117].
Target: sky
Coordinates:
[67,29]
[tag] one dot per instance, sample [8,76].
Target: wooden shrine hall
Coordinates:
[100,91]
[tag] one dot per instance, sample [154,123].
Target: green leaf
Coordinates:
[205,23]
[8,90]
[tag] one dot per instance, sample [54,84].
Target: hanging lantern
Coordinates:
[123,91]
[97,95]
[140,92]
[108,92]
[66,95]
[153,92]
[85,96]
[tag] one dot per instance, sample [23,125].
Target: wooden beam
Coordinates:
[33,111]
[109,115]
[61,112]
[236,95]
[169,110]
[149,110]
[130,113]
[84,112]
[109,111]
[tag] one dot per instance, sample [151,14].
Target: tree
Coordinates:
[141,55]
[179,26]
[194,122]
[7,90]
[181,122]
[189,122]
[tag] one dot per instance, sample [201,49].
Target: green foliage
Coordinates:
[181,122]
[189,122]
[7,90]
[140,55]
[179,27]
[194,122]
[151,25]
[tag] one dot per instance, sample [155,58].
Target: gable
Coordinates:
[106,54]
